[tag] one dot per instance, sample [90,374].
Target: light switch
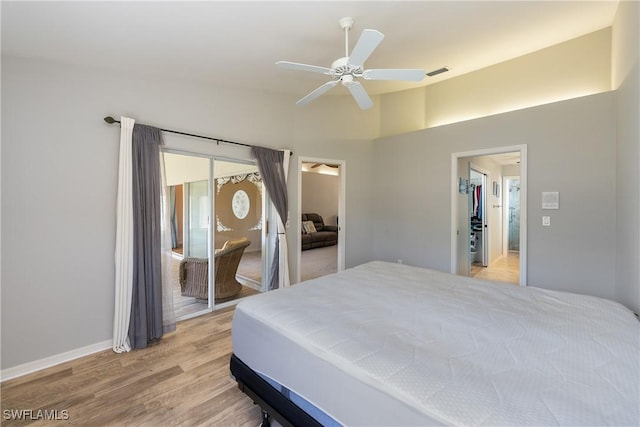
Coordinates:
[546,221]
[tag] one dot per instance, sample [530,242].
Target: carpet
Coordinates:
[318,262]
[250,266]
[313,263]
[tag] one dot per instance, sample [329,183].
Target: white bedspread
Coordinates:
[389,344]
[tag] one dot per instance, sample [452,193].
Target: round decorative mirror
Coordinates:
[240,204]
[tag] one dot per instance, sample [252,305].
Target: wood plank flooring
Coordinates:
[181,380]
[505,269]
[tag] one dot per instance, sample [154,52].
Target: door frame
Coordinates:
[522,149]
[341,211]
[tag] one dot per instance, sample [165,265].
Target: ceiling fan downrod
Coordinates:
[346,23]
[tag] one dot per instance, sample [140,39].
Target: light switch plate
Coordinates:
[546,221]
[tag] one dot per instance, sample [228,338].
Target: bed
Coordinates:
[390,344]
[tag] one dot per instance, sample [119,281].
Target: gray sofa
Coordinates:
[325,235]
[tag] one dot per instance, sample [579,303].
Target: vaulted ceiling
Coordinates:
[237,43]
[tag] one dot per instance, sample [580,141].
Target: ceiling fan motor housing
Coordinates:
[342,69]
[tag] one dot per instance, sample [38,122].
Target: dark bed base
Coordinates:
[272,402]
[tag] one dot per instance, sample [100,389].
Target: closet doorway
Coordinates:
[478,204]
[321,233]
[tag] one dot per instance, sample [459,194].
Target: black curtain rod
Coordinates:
[111,120]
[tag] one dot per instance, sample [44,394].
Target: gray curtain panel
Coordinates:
[146,309]
[271,166]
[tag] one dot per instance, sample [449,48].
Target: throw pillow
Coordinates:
[309,227]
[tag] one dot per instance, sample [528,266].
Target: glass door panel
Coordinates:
[239,200]
[189,177]
[197,216]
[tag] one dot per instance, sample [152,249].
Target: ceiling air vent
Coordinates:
[438,71]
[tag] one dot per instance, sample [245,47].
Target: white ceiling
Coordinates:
[237,43]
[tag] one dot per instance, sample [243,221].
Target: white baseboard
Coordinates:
[47,362]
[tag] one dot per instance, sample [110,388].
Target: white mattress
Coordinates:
[390,344]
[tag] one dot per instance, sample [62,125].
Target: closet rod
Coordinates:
[111,120]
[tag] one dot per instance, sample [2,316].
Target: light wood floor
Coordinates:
[505,269]
[181,380]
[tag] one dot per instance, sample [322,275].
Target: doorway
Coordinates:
[321,184]
[478,208]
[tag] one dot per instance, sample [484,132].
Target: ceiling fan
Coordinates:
[348,69]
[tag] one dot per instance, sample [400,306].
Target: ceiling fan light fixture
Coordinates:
[346,79]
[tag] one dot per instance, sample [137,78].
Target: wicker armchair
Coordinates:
[194,272]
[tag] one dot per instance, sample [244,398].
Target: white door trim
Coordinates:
[522,149]
[341,211]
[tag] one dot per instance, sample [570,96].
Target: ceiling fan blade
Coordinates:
[304,67]
[368,41]
[317,92]
[391,74]
[360,95]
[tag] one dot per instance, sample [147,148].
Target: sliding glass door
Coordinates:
[220,242]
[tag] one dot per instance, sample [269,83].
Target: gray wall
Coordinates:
[320,194]
[571,149]
[625,52]
[59,177]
